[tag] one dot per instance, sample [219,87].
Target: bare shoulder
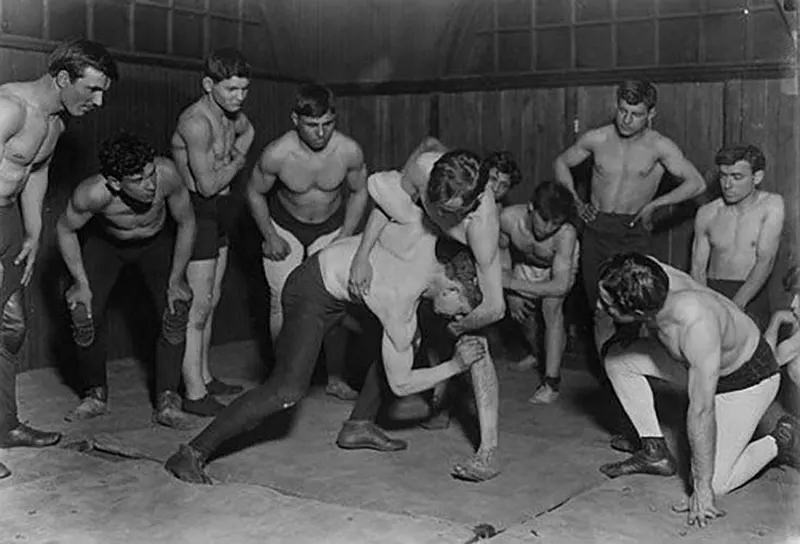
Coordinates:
[511,215]
[599,135]
[771,202]
[708,210]
[13,110]
[663,145]
[567,234]
[278,150]
[348,146]
[193,121]
[92,194]
[168,174]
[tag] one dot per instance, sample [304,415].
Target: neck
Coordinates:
[434,281]
[214,108]
[46,95]
[746,202]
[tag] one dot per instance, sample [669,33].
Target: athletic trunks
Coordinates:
[758,308]
[762,365]
[306,233]
[11,237]
[211,235]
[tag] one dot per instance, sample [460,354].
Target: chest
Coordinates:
[302,173]
[37,140]
[629,161]
[730,229]
[123,216]
[224,136]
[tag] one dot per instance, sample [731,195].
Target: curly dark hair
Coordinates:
[554,202]
[636,92]
[459,266]
[313,100]
[124,155]
[504,162]
[636,283]
[455,184]
[225,63]
[732,154]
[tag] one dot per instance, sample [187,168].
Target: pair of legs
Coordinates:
[276,272]
[737,413]
[103,258]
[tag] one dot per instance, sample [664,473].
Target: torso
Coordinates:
[33,145]
[626,172]
[526,249]
[310,185]
[733,235]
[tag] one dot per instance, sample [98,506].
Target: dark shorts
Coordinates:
[758,309]
[211,235]
[306,233]
[11,237]
[762,365]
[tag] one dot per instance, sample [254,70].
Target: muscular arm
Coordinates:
[398,358]
[766,250]
[32,198]
[357,201]
[181,209]
[210,176]
[261,181]
[701,246]
[563,271]
[692,183]
[571,157]
[80,208]
[244,137]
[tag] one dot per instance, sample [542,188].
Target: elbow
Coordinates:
[399,387]
[497,310]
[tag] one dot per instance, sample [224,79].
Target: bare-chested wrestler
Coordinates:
[787,351]
[544,252]
[452,192]
[315,167]
[130,198]
[629,160]
[315,297]
[700,339]
[32,118]
[736,236]
[210,146]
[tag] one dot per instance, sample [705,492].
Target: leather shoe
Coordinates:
[22,435]
[356,435]
[4,472]
[623,443]
[653,458]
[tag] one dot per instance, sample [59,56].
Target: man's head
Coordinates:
[636,106]
[128,164]
[741,170]
[82,71]
[632,287]
[226,78]
[314,115]
[457,293]
[551,206]
[502,173]
[791,282]
[454,187]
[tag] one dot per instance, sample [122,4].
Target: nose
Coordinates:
[97,99]
[795,302]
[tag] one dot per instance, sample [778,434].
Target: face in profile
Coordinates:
[737,181]
[141,186]
[630,120]
[229,93]
[315,132]
[83,95]
[499,183]
[795,304]
[450,301]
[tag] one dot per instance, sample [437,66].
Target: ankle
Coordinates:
[552,382]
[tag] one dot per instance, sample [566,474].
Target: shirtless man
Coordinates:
[736,236]
[629,160]
[210,146]
[32,117]
[787,352]
[315,297]
[314,165]
[545,250]
[129,197]
[454,198]
[700,339]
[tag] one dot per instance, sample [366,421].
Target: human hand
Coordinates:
[177,290]
[645,215]
[586,210]
[700,508]
[275,248]
[79,293]
[469,350]
[520,308]
[360,278]
[28,253]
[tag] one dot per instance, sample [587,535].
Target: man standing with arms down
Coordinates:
[32,118]
[629,161]
[308,210]
[736,236]
[130,198]
[210,146]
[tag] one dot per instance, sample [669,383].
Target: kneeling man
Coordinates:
[696,336]
[314,300]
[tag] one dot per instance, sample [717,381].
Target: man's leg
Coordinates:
[276,273]
[627,369]
[529,326]
[737,415]
[555,341]
[216,295]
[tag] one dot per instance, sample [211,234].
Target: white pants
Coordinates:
[737,412]
[277,272]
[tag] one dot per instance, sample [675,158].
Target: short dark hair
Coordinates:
[225,63]
[554,202]
[124,155]
[504,162]
[75,56]
[637,284]
[791,280]
[459,266]
[637,92]
[313,100]
[455,184]
[731,154]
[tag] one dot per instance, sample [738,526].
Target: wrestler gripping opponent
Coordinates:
[544,252]
[736,236]
[298,197]
[32,117]
[629,161]
[210,146]
[314,298]
[703,340]
[129,198]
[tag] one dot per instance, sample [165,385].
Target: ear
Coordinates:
[63,79]
[207,84]
[758,177]
[295,119]
[113,183]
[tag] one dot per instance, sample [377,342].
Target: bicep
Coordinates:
[675,162]
[701,346]
[385,189]
[180,205]
[398,358]
[198,138]
[265,172]
[484,245]
[564,269]
[770,236]
[576,153]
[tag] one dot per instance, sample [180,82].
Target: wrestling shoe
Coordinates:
[653,458]
[218,387]
[622,443]
[93,404]
[544,394]
[207,406]
[28,437]
[168,412]
[338,388]
[356,435]
[786,438]
[188,465]
[4,472]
